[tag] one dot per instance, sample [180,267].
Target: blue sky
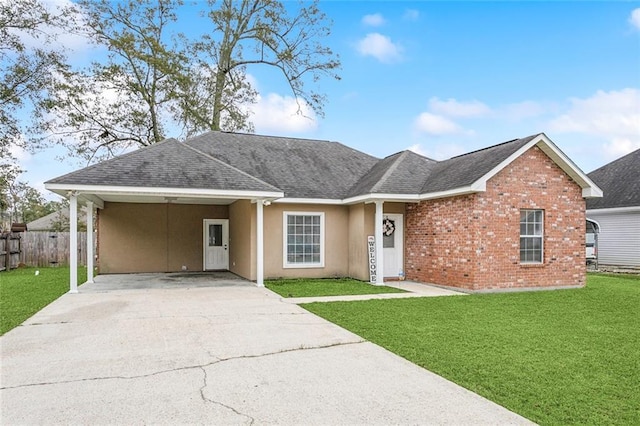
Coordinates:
[444,78]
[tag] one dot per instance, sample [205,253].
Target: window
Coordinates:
[531,231]
[303,240]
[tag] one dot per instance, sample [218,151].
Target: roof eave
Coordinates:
[97,190]
[391,198]
[471,189]
[589,188]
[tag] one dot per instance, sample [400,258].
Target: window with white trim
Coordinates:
[303,240]
[531,233]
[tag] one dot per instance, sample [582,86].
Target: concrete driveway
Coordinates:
[232,354]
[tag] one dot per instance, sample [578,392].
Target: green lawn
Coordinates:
[325,287]
[555,357]
[23,293]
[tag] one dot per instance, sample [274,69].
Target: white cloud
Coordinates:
[274,113]
[438,152]
[418,149]
[435,124]
[59,37]
[634,18]
[373,20]
[19,153]
[612,116]
[411,15]
[454,108]
[380,47]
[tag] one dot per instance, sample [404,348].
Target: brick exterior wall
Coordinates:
[473,241]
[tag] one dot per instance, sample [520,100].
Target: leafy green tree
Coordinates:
[124,100]
[27,61]
[23,203]
[155,79]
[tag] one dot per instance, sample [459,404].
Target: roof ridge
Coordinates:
[390,170]
[493,146]
[211,157]
[268,136]
[117,157]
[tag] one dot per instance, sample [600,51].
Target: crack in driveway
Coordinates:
[189,367]
[204,398]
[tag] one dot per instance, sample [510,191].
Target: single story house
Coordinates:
[508,216]
[618,212]
[53,221]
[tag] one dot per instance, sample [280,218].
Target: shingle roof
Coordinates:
[463,170]
[168,164]
[402,173]
[620,182]
[302,168]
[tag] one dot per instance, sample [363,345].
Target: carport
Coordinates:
[95,198]
[169,280]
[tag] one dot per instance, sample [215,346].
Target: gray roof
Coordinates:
[620,182]
[463,170]
[46,223]
[402,173]
[168,164]
[301,168]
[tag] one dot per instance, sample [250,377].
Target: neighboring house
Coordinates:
[618,212]
[508,216]
[54,221]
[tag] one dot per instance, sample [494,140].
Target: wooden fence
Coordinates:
[10,247]
[40,248]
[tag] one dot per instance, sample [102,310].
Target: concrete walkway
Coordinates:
[411,288]
[213,355]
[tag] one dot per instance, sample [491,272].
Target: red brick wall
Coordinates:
[473,241]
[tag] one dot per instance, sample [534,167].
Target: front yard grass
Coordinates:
[325,287]
[555,357]
[23,293]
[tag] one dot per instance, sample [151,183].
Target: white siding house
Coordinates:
[618,211]
[619,237]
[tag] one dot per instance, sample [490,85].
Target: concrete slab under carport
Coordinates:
[168,280]
[225,354]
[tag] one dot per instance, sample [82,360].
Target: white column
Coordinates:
[89,241]
[73,242]
[260,244]
[379,251]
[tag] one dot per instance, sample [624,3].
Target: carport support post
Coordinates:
[73,242]
[259,244]
[89,241]
[379,251]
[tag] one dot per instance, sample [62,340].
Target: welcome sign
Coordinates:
[373,272]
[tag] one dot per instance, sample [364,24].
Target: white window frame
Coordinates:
[541,236]
[285,263]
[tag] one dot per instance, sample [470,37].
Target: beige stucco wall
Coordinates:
[242,239]
[361,225]
[358,254]
[336,254]
[164,237]
[152,237]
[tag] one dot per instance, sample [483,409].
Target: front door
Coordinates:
[216,244]
[393,244]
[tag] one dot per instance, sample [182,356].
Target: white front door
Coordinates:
[392,244]
[216,244]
